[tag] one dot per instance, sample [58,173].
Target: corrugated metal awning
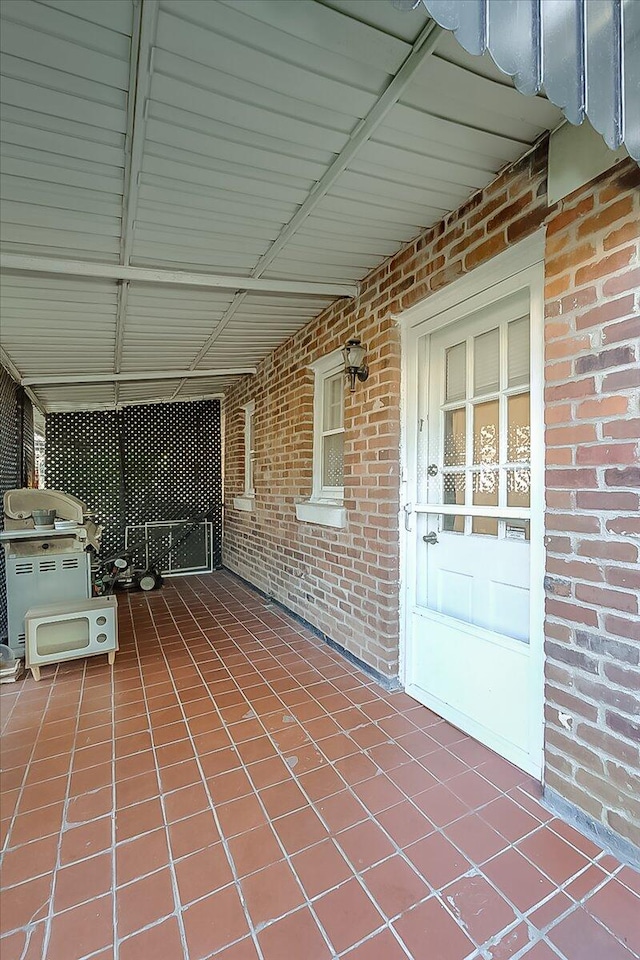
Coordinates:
[586,54]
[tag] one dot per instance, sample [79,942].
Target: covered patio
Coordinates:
[236,789]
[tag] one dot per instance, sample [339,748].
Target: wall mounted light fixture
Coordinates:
[354,365]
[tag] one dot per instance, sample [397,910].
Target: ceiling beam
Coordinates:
[68,406]
[140,71]
[121,314]
[117,271]
[67,379]
[15,374]
[361,134]
[140,74]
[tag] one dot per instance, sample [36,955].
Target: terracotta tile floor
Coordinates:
[235,788]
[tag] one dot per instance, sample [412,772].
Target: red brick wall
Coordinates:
[345,582]
[593,477]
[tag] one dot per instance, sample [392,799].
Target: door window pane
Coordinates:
[455,437]
[453,492]
[453,488]
[519,429]
[453,524]
[486,433]
[332,460]
[517,530]
[518,352]
[485,526]
[519,488]
[486,363]
[485,494]
[456,373]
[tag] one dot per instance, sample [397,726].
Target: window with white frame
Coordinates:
[325,506]
[329,436]
[247,500]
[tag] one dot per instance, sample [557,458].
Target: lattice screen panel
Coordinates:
[16,466]
[140,464]
[8,468]
[28,444]
[82,458]
[173,463]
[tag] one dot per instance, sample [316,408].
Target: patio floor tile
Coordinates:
[235,789]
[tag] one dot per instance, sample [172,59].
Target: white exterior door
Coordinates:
[469,520]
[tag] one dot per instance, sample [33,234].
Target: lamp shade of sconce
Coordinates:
[354,365]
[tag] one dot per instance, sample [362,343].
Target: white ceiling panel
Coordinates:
[208,137]
[165,328]
[65,79]
[53,325]
[97,396]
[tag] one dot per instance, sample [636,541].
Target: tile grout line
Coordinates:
[287,856]
[357,875]
[521,917]
[238,640]
[174,882]
[5,845]
[63,826]
[211,803]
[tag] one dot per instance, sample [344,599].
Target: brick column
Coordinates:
[592,377]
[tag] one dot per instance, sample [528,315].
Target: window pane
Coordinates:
[518,352]
[249,432]
[517,530]
[485,494]
[486,363]
[332,461]
[453,492]
[453,524]
[519,429]
[453,488]
[485,526]
[486,434]
[333,402]
[456,363]
[455,437]
[519,488]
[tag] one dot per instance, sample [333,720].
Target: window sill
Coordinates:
[327,513]
[246,503]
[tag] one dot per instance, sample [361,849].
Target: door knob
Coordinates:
[432,469]
[431,538]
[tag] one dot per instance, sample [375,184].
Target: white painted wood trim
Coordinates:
[328,363]
[139,375]
[246,503]
[520,266]
[519,257]
[15,374]
[60,406]
[325,514]
[115,271]
[249,491]
[323,368]
[468,510]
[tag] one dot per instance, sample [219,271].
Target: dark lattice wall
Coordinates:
[142,463]
[8,467]
[28,444]
[81,451]
[16,466]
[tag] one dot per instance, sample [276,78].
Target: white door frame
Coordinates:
[522,265]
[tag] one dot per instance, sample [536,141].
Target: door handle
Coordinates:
[431,538]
